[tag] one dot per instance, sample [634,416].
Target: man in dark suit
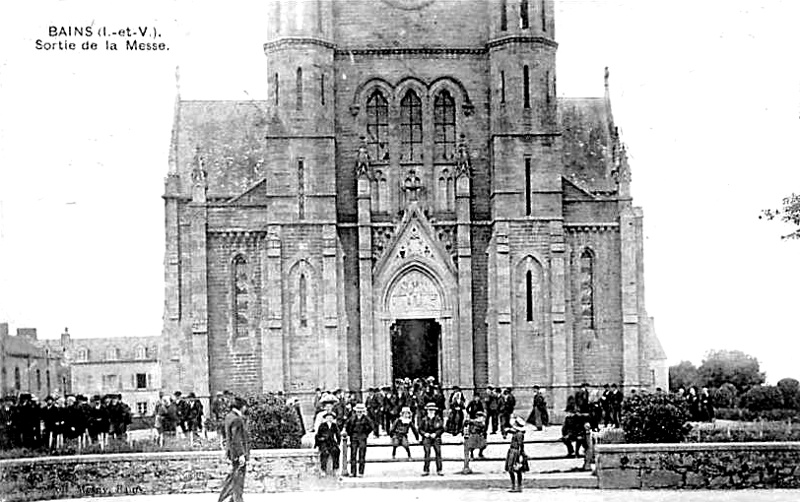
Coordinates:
[358,428]
[237,449]
[582,399]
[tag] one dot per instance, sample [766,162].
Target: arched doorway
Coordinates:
[416,348]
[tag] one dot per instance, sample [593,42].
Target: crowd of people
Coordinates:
[71,421]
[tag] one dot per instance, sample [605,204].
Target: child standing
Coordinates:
[516,459]
[399,431]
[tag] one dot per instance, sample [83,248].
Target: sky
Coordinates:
[706,94]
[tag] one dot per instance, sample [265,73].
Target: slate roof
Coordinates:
[589,139]
[229,136]
[655,351]
[20,346]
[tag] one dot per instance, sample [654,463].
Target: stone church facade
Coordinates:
[411,199]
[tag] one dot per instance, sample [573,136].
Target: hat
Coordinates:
[360,407]
[518,423]
[535,387]
[192,395]
[405,409]
[386,387]
[456,387]
[480,413]
[96,397]
[328,399]
[238,403]
[431,406]
[49,398]
[219,393]
[490,387]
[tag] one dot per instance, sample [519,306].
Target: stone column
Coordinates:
[368,348]
[329,301]
[198,372]
[559,376]
[504,355]
[464,256]
[273,363]
[630,306]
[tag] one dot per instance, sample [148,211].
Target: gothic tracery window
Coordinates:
[410,127]
[240,296]
[444,124]
[378,126]
[523,14]
[587,289]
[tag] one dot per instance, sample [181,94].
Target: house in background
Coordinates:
[119,365]
[26,366]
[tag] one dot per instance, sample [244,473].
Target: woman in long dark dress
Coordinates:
[516,459]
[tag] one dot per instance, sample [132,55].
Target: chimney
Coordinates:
[3,329]
[29,333]
[65,338]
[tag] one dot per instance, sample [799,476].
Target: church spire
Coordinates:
[176,119]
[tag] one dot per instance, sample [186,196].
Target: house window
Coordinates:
[526,87]
[319,17]
[47,377]
[444,124]
[503,16]
[523,14]
[527,186]
[17,379]
[587,289]
[299,90]
[411,127]
[141,352]
[141,380]
[141,408]
[377,126]
[83,354]
[548,97]
[112,354]
[322,89]
[110,382]
[39,380]
[240,296]
[302,293]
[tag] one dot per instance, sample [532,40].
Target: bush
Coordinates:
[272,424]
[724,396]
[762,398]
[655,418]
[790,389]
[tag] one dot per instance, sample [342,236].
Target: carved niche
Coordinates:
[415,295]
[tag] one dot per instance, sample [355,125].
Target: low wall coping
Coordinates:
[156,455]
[689,447]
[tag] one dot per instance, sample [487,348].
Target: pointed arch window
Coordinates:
[39,380]
[526,87]
[17,379]
[410,127]
[383,191]
[543,10]
[299,89]
[319,16]
[241,290]
[587,289]
[444,125]
[377,126]
[275,88]
[302,292]
[529,296]
[47,378]
[445,191]
[523,14]
[503,16]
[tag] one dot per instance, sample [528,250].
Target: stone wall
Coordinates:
[152,473]
[699,465]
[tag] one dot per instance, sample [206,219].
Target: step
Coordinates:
[476,481]
[402,459]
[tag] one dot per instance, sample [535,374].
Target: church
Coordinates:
[412,199]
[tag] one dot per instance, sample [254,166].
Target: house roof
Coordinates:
[19,346]
[655,351]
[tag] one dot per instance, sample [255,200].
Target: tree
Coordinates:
[762,398]
[730,366]
[790,390]
[683,374]
[790,213]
